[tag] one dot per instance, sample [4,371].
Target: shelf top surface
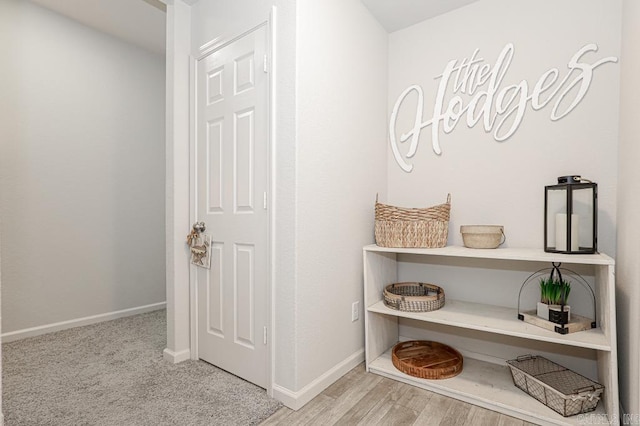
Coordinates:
[498,320]
[522,254]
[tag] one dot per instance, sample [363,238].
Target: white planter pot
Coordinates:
[543,311]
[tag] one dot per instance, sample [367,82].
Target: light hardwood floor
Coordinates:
[361,398]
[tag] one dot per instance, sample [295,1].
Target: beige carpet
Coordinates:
[113,373]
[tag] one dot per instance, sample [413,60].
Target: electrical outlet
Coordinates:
[355,311]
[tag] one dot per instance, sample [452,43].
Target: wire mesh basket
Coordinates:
[564,391]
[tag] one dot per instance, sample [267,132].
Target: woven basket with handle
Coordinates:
[412,227]
[413,297]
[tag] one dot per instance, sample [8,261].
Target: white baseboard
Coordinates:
[58,326]
[296,400]
[176,357]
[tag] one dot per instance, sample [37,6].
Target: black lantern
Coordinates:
[571,216]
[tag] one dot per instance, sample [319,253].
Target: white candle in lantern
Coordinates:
[561,232]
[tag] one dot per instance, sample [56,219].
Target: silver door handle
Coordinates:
[199,227]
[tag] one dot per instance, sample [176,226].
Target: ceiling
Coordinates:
[140,22]
[397,14]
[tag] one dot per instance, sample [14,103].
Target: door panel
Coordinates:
[244,295]
[243,160]
[215,299]
[232,178]
[214,181]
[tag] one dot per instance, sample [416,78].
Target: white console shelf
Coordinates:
[482,383]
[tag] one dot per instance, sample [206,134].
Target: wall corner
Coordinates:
[177,176]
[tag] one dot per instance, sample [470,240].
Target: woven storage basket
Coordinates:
[412,227]
[426,360]
[413,297]
[564,391]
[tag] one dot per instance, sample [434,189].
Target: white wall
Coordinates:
[341,165]
[503,182]
[81,170]
[628,268]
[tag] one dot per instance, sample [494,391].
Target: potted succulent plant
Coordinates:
[554,294]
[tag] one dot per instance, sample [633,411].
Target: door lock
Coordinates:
[199,227]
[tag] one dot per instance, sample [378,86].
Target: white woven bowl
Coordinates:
[482,236]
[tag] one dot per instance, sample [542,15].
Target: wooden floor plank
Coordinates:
[398,415]
[312,410]
[415,398]
[479,416]
[279,417]
[505,420]
[345,382]
[361,398]
[434,412]
[456,414]
[347,400]
[375,415]
[382,407]
[382,391]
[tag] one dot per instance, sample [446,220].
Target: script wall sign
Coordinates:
[500,109]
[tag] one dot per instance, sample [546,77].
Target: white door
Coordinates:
[232,180]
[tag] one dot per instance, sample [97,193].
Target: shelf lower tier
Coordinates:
[486,385]
[499,320]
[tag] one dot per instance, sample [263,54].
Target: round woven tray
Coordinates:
[426,360]
[413,297]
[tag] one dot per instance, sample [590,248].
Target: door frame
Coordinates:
[204,51]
